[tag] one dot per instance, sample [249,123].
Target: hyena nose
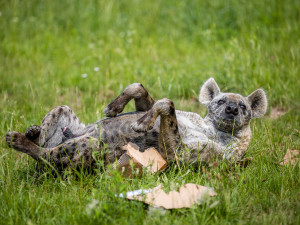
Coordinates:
[232,109]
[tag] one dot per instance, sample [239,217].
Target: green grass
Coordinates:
[171,47]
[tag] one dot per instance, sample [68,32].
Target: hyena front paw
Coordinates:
[109,112]
[33,132]
[143,124]
[16,140]
[112,109]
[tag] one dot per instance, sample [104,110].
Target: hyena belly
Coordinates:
[117,132]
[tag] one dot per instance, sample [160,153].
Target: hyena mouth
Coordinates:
[224,124]
[228,122]
[229,118]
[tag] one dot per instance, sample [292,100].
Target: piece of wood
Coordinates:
[188,195]
[128,166]
[150,158]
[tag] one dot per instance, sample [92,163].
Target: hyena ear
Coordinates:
[209,91]
[258,102]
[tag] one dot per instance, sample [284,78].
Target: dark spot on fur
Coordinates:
[112,138]
[60,109]
[175,131]
[151,141]
[40,167]
[71,155]
[53,116]
[116,134]
[58,166]
[60,148]
[74,117]
[118,148]
[172,110]
[74,144]
[83,145]
[140,142]
[171,123]
[138,139]
[105,122]
[154,134]
[65,164]
[67,151]
[63,154]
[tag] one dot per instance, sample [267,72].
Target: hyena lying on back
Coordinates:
[225,131]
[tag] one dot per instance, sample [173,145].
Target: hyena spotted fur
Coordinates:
[224,132]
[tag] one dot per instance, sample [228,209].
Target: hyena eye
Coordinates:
[243,107]
[220,102]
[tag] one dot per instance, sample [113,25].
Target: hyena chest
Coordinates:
[191,131]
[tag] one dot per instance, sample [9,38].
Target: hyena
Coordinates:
[185,136]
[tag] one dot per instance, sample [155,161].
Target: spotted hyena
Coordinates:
[224,132]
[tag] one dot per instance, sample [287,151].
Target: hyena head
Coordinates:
[231,112]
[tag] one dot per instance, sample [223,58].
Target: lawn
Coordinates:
[84,53]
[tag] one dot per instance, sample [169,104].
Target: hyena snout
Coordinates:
[232,109]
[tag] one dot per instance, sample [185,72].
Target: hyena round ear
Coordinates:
[258,102]
[209,91]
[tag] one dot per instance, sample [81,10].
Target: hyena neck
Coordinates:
[244,132]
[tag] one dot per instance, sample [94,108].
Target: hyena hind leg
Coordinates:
[73,153]
[169,137]
[136,91]
[21,143]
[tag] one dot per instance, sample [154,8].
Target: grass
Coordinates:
[171,47]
